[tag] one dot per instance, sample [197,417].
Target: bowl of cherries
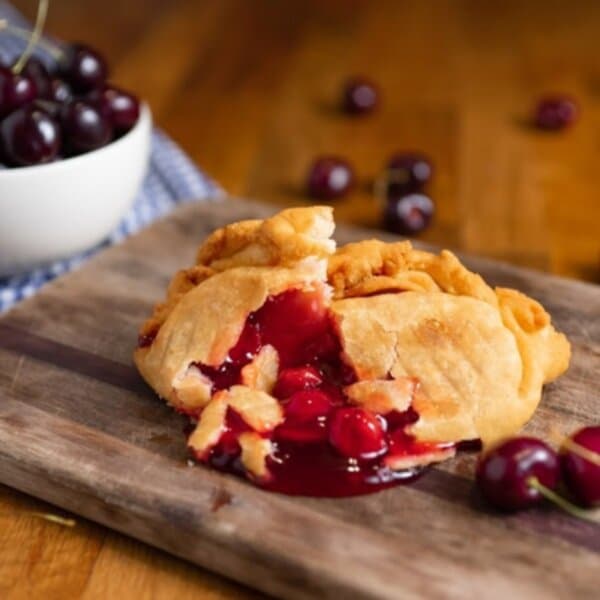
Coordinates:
[73,151]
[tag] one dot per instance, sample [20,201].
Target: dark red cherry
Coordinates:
[84,127]
[329,177]
[407,172]
[408,214]
[36,70]
[58,91]
[83,68]
[29,136]
[121,107]
[356,433]
[555,113]
[306,414]
[504,473]
[295,380]
[15,91]
[360,96]
[581,471]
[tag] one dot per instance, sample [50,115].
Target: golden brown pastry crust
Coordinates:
[457,347]
[521,339]
[374,267]
[481,355]
[282,240]
[208,320]
[244,263]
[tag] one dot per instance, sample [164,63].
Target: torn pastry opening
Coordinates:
[286,409]
[318,371]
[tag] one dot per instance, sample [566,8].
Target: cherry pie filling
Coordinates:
[325,446]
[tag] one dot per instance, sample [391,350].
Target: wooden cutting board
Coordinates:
[79,428]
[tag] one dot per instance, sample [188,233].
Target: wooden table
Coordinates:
[249,90]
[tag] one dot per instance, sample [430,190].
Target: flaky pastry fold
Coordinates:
[480,355]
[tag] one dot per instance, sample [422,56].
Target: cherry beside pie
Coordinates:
[318,371]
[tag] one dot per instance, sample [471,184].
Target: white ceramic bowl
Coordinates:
[55,210]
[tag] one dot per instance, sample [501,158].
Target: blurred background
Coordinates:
[250,89]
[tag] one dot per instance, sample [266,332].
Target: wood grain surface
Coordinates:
[79,429]
[249,89]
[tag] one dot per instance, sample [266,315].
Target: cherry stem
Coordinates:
[582,451]
[570,444]
[54,519]
[40,20]
[563,503]
[25,34]
[53,49]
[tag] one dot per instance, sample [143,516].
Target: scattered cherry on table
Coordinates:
[360,96]
[329,177]
[580,462]
[408,172]
[408,215]
[507,474]
[554,113]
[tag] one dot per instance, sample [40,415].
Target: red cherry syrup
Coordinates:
[325,446]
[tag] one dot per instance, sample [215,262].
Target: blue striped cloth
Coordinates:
[172,179]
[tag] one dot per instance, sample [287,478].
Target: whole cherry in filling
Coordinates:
[306,416]
[324,446]
[356,433]
[295,380]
